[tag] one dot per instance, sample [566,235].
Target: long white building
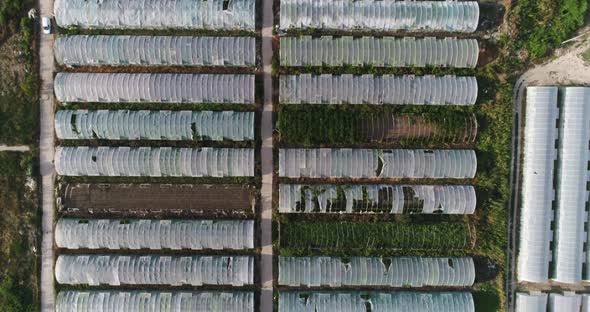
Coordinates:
[554,191]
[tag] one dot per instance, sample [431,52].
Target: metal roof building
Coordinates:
[572,192]
[555,192]
[554,302]
[540,134]
[531,302]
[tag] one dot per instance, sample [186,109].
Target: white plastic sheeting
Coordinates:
[153,301]
[380,15]
[377,198]
[537,302]
[368,163]
[377,90]
[155,50]
[156,14]
[154,234]
[154,161]
[572,194]
[293,301]
[531,302]
[566,302]
[361,271]
[116,270]
[540,134]
[155,88]
[154,125]
[381,52]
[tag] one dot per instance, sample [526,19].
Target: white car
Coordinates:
[46,24]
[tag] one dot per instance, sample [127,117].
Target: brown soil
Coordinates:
[156,199]
[390,128]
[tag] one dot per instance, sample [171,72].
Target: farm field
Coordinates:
[156,152]
[19,238]
[406,127]
[373,238]
[156,199]
[380,88]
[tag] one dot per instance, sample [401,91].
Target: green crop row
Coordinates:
[340,124]
[370,236]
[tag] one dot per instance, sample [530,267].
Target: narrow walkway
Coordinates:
[46,69]
[266,275]
[20,148]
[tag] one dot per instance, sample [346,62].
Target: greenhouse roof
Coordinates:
[376,198]
[98,50]
[154,125]
[117,234]
[377,90]
[156,14]
[154,161]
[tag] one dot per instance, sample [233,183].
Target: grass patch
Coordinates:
[310,125]
[18,234]
[18,75]
[486,299]
[539,26]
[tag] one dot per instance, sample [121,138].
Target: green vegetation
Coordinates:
[487,299]
[367,237]
[18,74]
[18,234]
[309,125]
[586,56]
[541,25]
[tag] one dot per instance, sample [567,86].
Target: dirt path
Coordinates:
[20,148]
[266,275]
[46,69]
